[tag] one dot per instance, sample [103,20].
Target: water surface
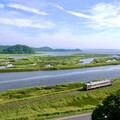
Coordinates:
[46,78]
[86,60]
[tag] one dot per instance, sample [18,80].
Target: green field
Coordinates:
[39,103]
[34,63]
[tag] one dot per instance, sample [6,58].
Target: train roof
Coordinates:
[98,82]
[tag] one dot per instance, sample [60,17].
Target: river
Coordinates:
[46,78]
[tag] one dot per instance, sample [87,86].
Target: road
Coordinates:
[86,116]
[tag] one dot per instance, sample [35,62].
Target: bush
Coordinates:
[110,110]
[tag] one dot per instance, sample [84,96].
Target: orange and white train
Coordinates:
[97,84]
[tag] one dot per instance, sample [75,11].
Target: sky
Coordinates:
[83,24]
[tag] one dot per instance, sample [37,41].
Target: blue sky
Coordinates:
[84,24]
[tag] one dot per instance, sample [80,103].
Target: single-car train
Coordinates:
[97,84]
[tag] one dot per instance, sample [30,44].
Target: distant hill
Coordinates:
[65,50]
[48,49]
[43,49]
[2,47]
[18,49]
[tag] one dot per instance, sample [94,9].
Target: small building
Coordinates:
[111,60]
[48,65]
[9,65]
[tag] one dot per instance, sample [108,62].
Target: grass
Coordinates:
[41,103]
[28,93]
[35,63]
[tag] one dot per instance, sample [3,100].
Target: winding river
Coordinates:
[46,78]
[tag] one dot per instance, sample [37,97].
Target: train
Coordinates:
[97,84]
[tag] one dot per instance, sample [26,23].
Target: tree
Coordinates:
[109,110]
[18,49]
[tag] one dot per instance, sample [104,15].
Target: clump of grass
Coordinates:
[29,93]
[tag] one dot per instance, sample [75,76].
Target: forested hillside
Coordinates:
[22,49]
[2,47]
[18,49]
[48,49]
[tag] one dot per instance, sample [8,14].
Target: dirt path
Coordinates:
[86,116]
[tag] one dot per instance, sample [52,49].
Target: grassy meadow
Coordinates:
[39,103]
[34,63]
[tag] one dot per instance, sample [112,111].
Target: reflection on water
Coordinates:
[44,54]
[86,60]
[2,67]
[45,78]
[19,57]
[56,53]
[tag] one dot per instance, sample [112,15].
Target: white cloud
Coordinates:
[105,16]
[57,6]
[26,23]
[1,5]
[70,12]
[24,8]
[61,39]
[78,14]
[101,16]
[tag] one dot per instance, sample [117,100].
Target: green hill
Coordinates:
[48,49]
[43,49]
[18,49]
[2,47]
[22,49]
